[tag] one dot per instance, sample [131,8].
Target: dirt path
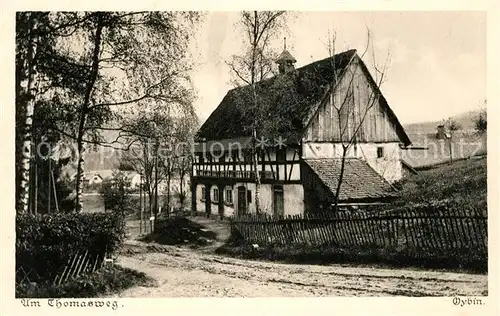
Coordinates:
[183,272]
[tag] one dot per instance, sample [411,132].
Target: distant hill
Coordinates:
[466,120]
[107,158]
[102,159]
[466,142]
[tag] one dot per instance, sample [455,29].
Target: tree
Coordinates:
[255,64]
[27,40]
[37,34]
[143,155]
[183,168]
[116,192]
[451,126]
[122,60]
[350,112]
[160,139]
[480,121]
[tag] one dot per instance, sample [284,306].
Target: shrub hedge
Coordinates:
[106,280]
[44,243]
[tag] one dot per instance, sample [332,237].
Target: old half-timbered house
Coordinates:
[312,111]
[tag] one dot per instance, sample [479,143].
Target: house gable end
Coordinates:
[378,123]
[291,94]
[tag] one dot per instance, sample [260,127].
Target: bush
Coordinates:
[116,193]
[174,231]
[104,281]
[462,183]
[44,243]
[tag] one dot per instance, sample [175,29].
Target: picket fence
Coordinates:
[77,265]
[412,230]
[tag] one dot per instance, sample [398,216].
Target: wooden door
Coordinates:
[242,201]
[278,201]
[208,201]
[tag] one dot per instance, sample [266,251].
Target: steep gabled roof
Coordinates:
[299,91]
[294,96]
[360,181]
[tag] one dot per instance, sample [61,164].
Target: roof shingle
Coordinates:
[360,181]
[293,96]
[290,99]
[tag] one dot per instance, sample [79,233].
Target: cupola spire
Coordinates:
[285,61]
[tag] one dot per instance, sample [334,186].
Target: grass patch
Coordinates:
[462,182]
[461,261]
[104,281]
[175,231]
[92,203]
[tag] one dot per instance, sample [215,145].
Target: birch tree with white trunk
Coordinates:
[253,65]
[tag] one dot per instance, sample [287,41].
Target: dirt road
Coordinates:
[184,272]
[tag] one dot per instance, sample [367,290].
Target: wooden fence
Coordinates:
[78,264]
[411,230]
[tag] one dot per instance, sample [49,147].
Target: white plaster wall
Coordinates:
[388,166]
[200,205]
[294,199]
[266,198]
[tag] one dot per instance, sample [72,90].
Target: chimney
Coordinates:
[285,61]
[441,133]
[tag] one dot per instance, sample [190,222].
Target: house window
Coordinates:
[380,152]
[203,193]
[249,196]
[229,196]
[216,195]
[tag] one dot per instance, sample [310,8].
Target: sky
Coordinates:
[437,66]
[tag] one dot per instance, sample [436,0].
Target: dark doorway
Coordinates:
[242,200]
[208,200]
[278,201]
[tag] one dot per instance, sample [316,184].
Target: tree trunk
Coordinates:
[182,175]
[79,175]
[150,198]
[256,110]
[49,193]
[156,188]
[257,174]
[141,202]
[451,149]
[169,177]
[84,112]
[35,206]
[341,178]
[30,87]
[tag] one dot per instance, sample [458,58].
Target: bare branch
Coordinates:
[238,74]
